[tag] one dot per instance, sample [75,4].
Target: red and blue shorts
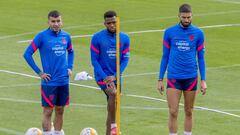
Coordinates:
[55,95]
[189,84]
[103,86]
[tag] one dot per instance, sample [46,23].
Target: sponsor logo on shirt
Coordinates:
[111,53]
[58,50]
[183,45]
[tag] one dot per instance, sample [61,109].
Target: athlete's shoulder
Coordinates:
[64,33]
[171,29]
[124,35]
[99,33]
[41,34]
[197,29]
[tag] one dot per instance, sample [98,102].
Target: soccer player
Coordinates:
[53,43]
[103,56]
[182,43]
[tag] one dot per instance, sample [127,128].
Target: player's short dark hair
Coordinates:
[109,14]
[185,8]
[54,13]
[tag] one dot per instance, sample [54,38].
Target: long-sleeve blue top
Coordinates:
[103,53]
[52,47]
[181,48]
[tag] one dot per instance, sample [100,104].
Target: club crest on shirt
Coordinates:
[64,41]
[191,37]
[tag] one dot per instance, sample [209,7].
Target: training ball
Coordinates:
[33,131]
[88,131]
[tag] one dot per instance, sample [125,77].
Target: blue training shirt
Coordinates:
[52,47]
[103,53]
[181,46]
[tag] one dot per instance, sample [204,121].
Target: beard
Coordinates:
[185,24]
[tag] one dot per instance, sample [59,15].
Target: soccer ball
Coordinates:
[33,131]
[88,131]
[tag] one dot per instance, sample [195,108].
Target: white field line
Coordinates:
[129,75]
[123,107]
[81,105]
[155,73]
[198,107]
[228,1]
[127,21]
[20,85]
[195,107]
[146,31]
[22,74]
[16,35]
[10,131]
[140,74]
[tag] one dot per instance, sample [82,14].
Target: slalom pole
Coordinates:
[118,101]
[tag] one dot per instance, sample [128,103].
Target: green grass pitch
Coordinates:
[20,106]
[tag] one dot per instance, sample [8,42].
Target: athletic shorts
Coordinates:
[189,84]
[55,95]
[103,86]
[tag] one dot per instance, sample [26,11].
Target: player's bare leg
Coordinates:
[173,98]
[189,98]
[111,108]
[46,121]
[58,119]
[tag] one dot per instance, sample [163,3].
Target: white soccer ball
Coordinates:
[88,131]
[33,131]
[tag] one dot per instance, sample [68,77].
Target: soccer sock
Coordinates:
[57,132]
[47,133]
[187,133]
[113,125]
[172,133]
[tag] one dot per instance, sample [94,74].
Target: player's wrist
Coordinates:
[40,73]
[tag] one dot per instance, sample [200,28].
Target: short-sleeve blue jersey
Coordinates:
[181,48]
[52,47]
[103,53]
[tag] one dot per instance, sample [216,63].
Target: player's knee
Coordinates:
[47,112]
[173,112]
[112,94]
[59,110]
[188,112]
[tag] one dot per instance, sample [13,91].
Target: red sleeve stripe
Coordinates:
[166,44]
[33,46]
[101,83]
[200,47]
[94,49]
[125,51]
[70,47]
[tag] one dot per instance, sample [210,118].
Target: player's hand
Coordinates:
[203,86]
[109,79]
[160,87]
[69,72]
[44,76]
[111,88]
